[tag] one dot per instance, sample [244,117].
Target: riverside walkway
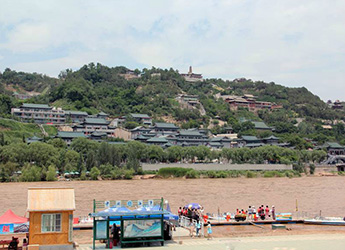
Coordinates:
[288,242]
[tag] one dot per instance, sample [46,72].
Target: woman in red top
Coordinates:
[267,211]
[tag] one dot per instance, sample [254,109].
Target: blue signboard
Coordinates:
[6,228]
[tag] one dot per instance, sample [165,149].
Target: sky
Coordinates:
[290,42]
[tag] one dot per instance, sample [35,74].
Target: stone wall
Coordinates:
[216,166]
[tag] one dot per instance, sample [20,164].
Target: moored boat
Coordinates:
[335,221]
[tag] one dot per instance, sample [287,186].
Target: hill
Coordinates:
[119,91]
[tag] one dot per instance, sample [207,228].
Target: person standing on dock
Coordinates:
[250,213]
[267,212]
[209,230]
[254,213]
[273,211]
[198,227]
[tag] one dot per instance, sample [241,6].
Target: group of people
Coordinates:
[262,212]
[191,213]
[195,216]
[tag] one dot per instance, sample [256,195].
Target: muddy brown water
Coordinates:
[312,193]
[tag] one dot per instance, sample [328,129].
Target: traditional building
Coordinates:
[39,113]
[334,148]
[248,101]
[33,139]
[141,118]
[75,116]
[221,142]
[192,77]
[162,128]
[261,126]
[91,125]
[191,137]
[141,130]
[337,105]
[130,74]
[159,141]
[271,140]
[68,137]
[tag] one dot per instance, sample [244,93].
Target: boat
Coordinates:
[334,221]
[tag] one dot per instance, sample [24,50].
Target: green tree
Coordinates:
[31,173]
[71,161]
[51,173]
[94,173]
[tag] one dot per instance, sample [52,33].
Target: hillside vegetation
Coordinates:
[15,131]
[95,87]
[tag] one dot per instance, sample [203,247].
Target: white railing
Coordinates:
[190,224]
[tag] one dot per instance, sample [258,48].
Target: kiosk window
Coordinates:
[51,223]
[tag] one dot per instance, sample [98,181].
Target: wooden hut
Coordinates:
[51,217]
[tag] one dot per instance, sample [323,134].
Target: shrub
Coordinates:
[117,174]
[94,173]
[269,174]
[83,176]
[298,167]
[222,174]
[128,174]
[289,174]
[312,169]
[251,174]
[51,173]
[192,174]
[211,174]
[140,171]
[176,172]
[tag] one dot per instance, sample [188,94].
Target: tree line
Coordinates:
[40,160]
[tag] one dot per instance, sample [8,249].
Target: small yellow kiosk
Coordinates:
[51,217]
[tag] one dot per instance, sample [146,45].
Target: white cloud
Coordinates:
[296,43]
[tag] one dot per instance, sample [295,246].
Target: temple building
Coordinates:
[192,77]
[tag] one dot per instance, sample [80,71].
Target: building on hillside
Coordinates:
[337,105]
[261,126]
[91,125]
[39,113]
[162,128]
[334,148]
[192,100]
[248,139]
[155,75]
[271,140]
[141,130]
[140,118]
[221,142]
[98,136]
[118,121]
[159,141]
[130,74]
[192,77]
[123,134]
[248,101]
[75,116]
[51,218]
[25,96]
[327,127]
[68,137]
[33,139]
[191,137]
[102,115]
